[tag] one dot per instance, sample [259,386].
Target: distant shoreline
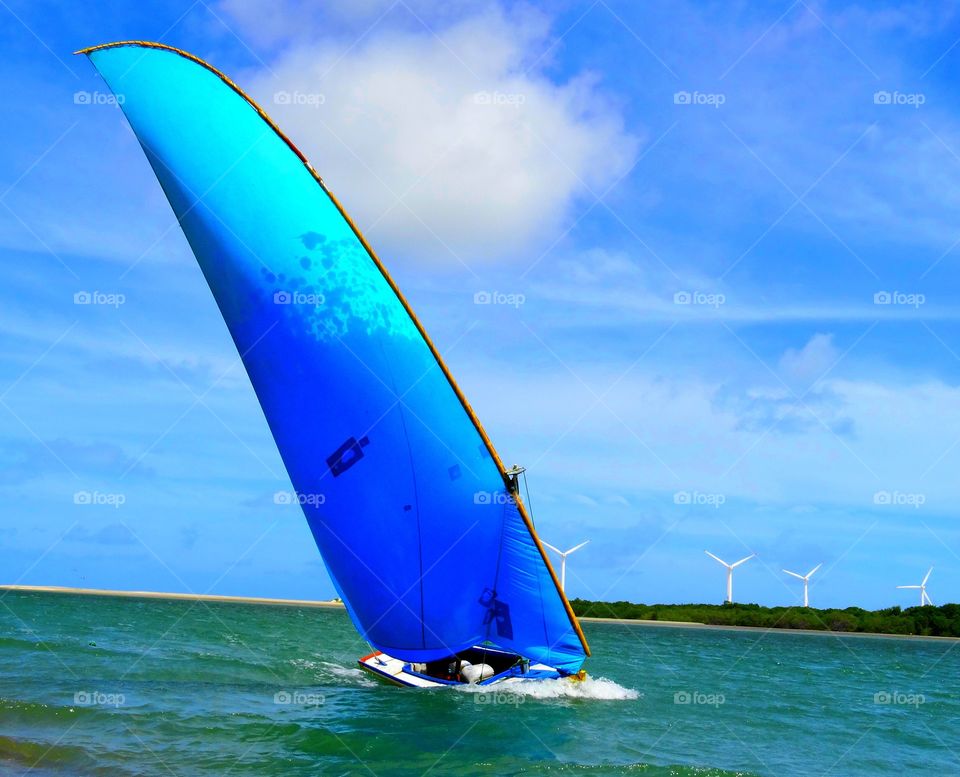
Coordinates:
[337,604]
[763,629]
[56,589]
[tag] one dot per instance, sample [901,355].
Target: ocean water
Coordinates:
[92,685]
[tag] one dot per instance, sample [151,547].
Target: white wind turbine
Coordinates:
[924,599]
[806,579]
[563,561]
[730,568]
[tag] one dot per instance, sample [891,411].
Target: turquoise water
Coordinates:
[169,687]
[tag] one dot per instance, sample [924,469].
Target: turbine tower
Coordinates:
[730,568]
[924,599]
[806,579]
[563,561]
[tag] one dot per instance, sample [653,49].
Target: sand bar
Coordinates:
[54,589]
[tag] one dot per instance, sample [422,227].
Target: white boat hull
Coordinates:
[510,669]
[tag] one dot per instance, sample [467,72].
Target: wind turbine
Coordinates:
[730,568]
[806,579]
[563,561]
[924,599]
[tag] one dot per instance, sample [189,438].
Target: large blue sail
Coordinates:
[427,548]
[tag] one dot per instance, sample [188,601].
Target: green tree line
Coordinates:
[943,621]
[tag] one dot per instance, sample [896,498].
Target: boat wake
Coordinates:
[593,688]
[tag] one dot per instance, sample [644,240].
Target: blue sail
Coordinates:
[406,498]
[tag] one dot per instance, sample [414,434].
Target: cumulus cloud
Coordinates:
[810,362]
[450,145]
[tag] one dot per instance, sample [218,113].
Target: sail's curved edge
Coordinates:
[396,290]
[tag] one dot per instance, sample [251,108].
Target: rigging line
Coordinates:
[529,503]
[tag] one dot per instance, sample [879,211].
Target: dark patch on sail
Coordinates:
[346,455]
[312,239]
[454,472]
[484,453]
[497,611]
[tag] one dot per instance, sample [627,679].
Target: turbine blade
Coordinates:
[908,586]
[576,548]
[548,545]
[716,558]
[738,563]
[794,574]
[928,576]
[810,573]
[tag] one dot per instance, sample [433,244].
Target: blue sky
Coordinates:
[698,204]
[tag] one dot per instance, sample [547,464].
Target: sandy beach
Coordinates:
[53,589]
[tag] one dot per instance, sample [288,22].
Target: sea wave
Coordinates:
[592,688]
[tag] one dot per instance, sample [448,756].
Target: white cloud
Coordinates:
[486,154]
[810,362]
[656,432]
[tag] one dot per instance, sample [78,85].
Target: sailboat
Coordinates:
[421,528]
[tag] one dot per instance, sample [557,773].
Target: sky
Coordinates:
[720,239]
